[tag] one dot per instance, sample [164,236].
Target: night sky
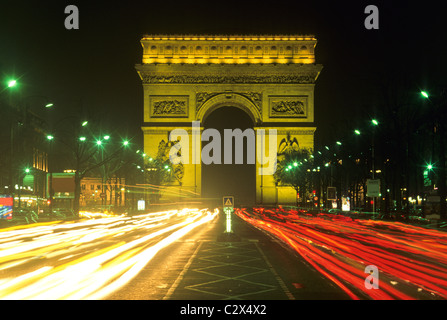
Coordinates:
[93,68]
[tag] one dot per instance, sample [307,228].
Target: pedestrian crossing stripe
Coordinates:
[228,201]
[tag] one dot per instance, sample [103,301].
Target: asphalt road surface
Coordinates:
[188,255]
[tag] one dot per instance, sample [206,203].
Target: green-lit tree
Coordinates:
[160,170]
[86,151]
[294,168]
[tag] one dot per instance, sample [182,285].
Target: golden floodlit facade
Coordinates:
[186,78]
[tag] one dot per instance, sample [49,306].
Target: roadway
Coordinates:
[186,255]
[86,259]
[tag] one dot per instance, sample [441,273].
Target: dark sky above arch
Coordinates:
[93,67]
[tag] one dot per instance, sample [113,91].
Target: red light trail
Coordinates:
[412,260]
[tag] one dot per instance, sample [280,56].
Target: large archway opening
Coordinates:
[238,180]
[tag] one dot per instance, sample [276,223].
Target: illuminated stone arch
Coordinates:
[229,99]
[268,77]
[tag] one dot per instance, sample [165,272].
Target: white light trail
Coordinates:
[88,259]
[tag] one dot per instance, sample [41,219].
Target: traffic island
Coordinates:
[228,235]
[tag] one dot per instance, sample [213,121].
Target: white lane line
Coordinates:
[182,274]
[277,277]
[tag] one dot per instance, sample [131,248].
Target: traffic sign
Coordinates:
[228,201]
[331,193]
[372,188]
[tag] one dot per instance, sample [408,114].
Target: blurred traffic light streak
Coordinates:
[412,260]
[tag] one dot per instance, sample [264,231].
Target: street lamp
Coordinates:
[50,138]
[9,84]
[12,83]
[375,123]
[437,107]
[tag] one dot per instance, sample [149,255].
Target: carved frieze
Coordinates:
[150,78]
[288,106]
[168,106]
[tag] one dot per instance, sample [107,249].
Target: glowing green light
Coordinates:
[125,142]
[424,94]
[50,137]
[429,167]
[374,122]
[295,164]
[98,142]
[228,227]
[82,138]
[339,143]
[357,132]
[27,170]
[84,123]
[106,137]
[12,83]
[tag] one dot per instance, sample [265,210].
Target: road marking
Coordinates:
[234,278]
[182,274]
[277,277]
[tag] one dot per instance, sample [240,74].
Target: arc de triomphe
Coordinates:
[271,78]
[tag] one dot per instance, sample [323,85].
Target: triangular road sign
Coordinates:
[228,201]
